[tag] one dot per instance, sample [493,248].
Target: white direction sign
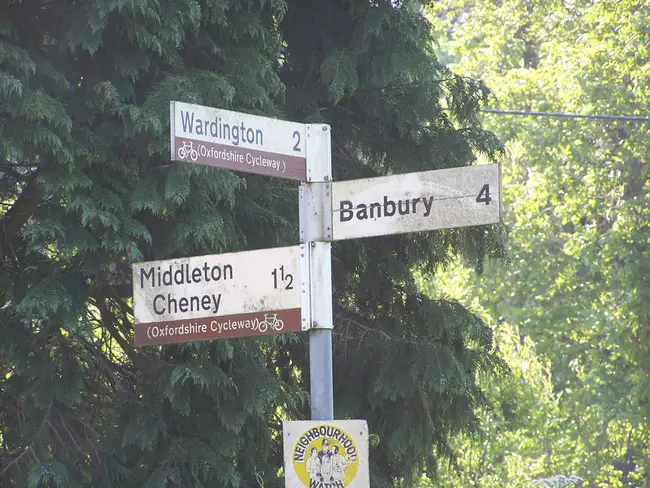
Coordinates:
[326,454]
[238,141]
[430,200]
[222,295]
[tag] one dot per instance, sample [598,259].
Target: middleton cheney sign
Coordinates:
[223,295]
[430,200]
[238,141]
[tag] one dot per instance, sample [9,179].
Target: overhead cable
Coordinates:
[625,118]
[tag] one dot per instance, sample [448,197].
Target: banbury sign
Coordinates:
[413,202]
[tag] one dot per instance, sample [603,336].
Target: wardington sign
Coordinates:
[238,141]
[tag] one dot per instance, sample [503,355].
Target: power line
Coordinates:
[625,118]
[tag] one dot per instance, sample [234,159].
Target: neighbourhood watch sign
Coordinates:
[326,454]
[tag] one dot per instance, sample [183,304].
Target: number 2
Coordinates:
[296,146]
[484,195]
[290,284]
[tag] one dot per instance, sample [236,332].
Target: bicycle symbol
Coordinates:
[187,149]
[273,322]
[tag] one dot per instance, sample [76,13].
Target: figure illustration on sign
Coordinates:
[339,463]
[187,149]
[324,448]
[326,462]
[272,322]
[325,456]
[313,467]
[326,468]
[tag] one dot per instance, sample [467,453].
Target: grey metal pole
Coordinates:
[316,233]
[320,335]
[320,369]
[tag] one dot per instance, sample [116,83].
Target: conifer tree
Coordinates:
[87,188]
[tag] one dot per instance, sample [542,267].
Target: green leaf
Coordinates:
[339,74]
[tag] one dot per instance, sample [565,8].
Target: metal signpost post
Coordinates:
[316,230]
[289,289]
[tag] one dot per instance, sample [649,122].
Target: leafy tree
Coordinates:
[520,410]
[577,204]
[87,188]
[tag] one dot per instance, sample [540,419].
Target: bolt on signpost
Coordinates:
[289,289]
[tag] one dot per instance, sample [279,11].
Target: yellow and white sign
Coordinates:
[326,454]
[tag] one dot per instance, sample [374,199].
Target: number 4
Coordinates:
[484,195]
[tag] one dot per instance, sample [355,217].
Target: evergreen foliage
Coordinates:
[87,188]
[577,196]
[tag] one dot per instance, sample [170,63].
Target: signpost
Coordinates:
[237,141]
[218,296]
[413,202]
[326,454]
[289,289]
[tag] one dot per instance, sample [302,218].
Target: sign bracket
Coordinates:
[316,232]
[315,212]
[305,292]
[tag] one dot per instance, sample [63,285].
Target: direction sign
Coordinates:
[238,141]
[446,198]
[222,295]
[326,454]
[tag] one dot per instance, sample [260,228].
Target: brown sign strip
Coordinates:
[239,325]
[240,159]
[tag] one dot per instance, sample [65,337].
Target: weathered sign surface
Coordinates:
[217,296]
[446,198]
[238,141]
[326,454]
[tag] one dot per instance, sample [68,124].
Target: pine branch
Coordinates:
[72,436]
[58,436]
[15,174]
[111,369]
[120,292]
[29,447]
[108,321]
[8,464]
[346,325]
[20,212]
